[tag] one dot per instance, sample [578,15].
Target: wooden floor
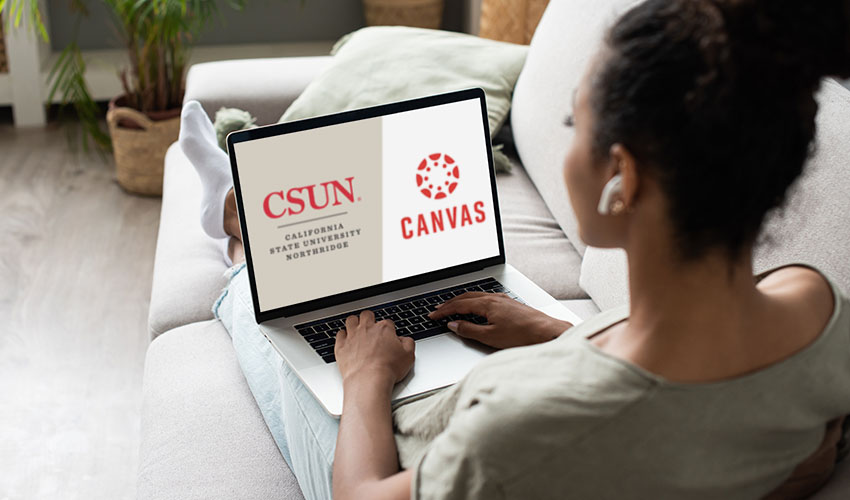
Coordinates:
[76,257]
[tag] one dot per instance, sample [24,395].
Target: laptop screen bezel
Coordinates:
[345,117]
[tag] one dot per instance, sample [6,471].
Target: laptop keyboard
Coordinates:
[410,316]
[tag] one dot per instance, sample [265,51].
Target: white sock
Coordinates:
[199,144]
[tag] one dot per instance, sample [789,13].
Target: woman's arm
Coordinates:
[371,359]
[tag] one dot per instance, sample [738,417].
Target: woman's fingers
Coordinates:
[470,330]
[464,296]
[351,322]
[367,316]
[476,304]
[341,338]
[469,295]
[407,344]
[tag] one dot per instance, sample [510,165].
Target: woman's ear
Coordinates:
[623,163]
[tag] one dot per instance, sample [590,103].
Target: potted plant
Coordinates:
[144,120]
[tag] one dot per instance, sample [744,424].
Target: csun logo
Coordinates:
[317,196]
[437,176]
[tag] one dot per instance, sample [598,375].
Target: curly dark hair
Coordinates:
[715,99]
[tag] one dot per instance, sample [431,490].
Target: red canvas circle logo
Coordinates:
[437,176]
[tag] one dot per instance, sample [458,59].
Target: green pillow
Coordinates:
[383,64]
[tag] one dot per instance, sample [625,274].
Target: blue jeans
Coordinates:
[304,432]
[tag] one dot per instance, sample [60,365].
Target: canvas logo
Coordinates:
[437,176]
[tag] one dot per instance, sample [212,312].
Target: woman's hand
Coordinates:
[511,324]
[373,349]
[371,359]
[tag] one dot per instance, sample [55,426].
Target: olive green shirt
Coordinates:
[565,420]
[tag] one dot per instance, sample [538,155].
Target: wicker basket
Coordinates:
[140,152]
[4,64]
[511,20]
[417,13]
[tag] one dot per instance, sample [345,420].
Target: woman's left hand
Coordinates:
[373,349]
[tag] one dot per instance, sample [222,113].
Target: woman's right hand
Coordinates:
[511,324]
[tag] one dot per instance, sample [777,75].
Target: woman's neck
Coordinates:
[665,290]
[688,321]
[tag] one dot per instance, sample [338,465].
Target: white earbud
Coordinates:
[613,187]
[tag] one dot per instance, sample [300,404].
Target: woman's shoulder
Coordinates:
[805,303]
[803,288]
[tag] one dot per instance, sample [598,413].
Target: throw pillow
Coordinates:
[383,64]
[605,277]
[229,120]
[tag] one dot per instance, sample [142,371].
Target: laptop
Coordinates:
[391,208]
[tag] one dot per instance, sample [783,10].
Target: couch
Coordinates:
[202,435]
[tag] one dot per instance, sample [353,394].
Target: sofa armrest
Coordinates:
[188,271]
[263,87]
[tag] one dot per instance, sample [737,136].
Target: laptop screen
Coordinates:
[347,206]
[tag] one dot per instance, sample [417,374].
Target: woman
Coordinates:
[690,125]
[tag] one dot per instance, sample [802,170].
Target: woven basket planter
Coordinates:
[511,20]
[417,13]
[139,144]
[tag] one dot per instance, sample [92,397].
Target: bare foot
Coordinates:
[235,251]
[231,217]
[231,226]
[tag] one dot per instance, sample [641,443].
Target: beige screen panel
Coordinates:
[313,211]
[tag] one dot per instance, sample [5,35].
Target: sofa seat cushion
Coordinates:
[189,266]
[202,435]
[583,308]
[534,242]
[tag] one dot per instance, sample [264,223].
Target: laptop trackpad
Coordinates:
[440,361]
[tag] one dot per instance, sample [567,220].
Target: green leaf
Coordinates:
[39,22]
[67,78]
[17,11]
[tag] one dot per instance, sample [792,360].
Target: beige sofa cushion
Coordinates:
[605,277]
[189,265]
[534,243]
[568,35]
[583,308]
[202,435]
[814,227]
[263,87]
